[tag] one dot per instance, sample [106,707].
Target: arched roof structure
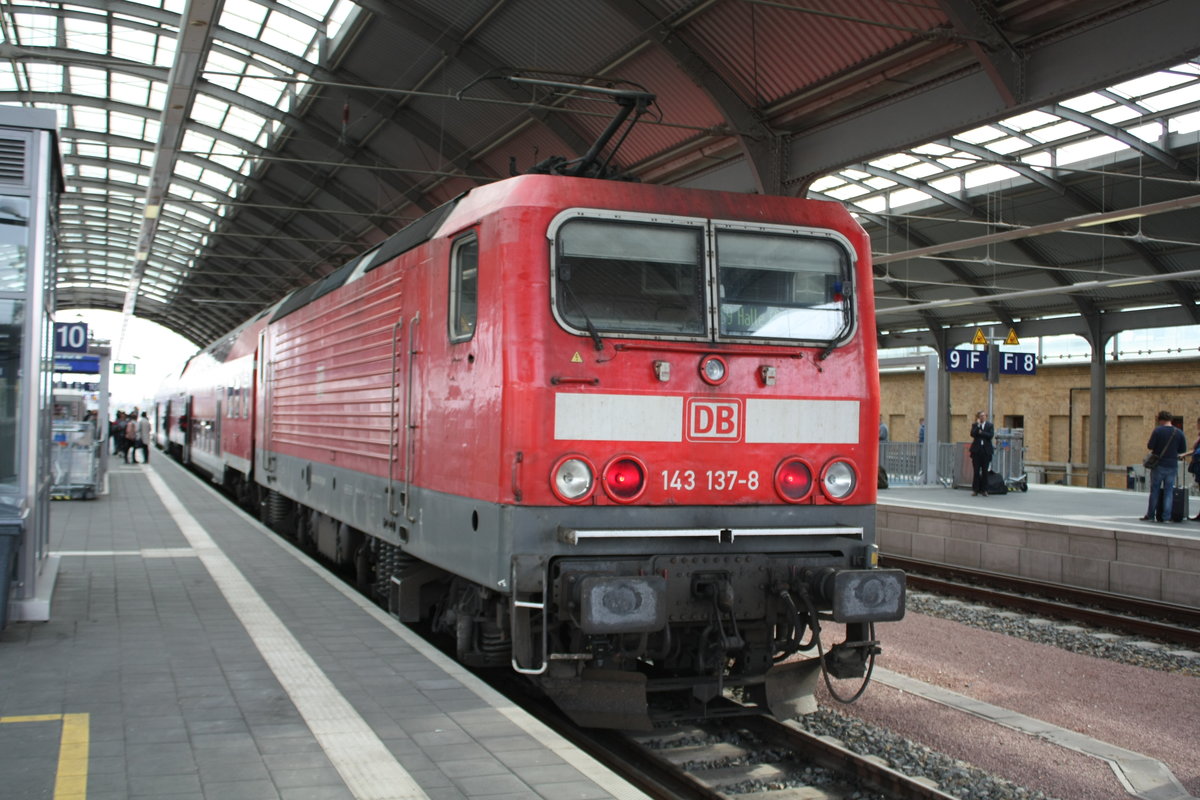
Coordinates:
[218,155]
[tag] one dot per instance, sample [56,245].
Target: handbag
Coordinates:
[1151,460]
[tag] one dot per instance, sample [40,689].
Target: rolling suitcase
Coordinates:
[1179,505]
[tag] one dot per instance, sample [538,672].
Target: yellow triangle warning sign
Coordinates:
[1012,337]
[979,337]
[576,359]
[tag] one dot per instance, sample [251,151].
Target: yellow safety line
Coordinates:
[71,781]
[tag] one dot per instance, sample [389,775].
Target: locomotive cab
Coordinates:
[702,403]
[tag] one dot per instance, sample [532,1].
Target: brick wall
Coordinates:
[1056,406]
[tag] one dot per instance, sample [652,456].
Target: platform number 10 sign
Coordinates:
[70,337]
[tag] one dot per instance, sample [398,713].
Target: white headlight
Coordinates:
[573,479]
[839,480]
[712,369]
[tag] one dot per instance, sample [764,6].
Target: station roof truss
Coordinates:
[219,155]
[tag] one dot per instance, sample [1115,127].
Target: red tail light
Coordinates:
[793,480]
[624,479]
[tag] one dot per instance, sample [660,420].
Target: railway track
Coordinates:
[744,756]
[1165,621]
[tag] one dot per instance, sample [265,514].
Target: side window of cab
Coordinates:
[464,288]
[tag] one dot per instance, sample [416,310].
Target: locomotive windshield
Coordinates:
[631,276]
[781,286]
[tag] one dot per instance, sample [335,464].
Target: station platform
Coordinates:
[1047,502]
[191,654]
[1089,538]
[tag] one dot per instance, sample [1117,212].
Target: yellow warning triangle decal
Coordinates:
[576,359]
[1012,337]
[979,337]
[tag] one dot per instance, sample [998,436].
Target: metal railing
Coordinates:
[1132,478]
[904,462]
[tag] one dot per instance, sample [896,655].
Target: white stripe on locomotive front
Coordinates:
[802,421]
[618,417]
[659,418]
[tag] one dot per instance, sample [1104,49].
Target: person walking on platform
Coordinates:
[116,432]
[981,452]
[1167,443]
[143,439]
[131,433]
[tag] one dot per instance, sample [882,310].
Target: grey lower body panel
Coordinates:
[478,539]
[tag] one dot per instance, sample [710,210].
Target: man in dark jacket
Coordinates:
[981,451]
[1168,443]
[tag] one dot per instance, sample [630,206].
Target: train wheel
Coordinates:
[260,498]
[464,639]
[364,572]
[278,510]
[300,530]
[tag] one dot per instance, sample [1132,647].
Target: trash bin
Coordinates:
[12,526]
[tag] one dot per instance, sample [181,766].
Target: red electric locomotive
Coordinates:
[619,436]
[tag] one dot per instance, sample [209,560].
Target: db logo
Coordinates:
[714,420]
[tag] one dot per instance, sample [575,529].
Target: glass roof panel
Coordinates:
[1186,123]
[1172,95]
[245,18]
[138,46]
[1032,119]
[44,77]
[107,179]
[826,182]
[1006,146]
[948,185]
[921,169]
[1115,115]
[1061,130]
[986,175]
[92,82]
[1086,103]
[1186,95]
[1150,132]
[904,197]
[1154,82]
[286,33]
[89,36]
[980,135]
[35,29]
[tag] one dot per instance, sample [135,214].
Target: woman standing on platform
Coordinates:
[1194,467]
[981,452]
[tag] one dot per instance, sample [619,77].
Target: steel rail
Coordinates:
[1133,615]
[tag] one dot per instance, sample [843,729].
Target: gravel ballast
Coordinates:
[1137,695]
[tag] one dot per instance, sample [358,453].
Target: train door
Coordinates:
[264,399]
[217,447]
[186,423]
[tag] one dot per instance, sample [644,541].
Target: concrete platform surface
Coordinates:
[192,655]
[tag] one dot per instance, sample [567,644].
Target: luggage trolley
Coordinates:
[74,460]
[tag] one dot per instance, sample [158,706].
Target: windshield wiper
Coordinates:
[565,277]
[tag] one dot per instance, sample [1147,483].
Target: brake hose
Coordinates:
[812,613]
